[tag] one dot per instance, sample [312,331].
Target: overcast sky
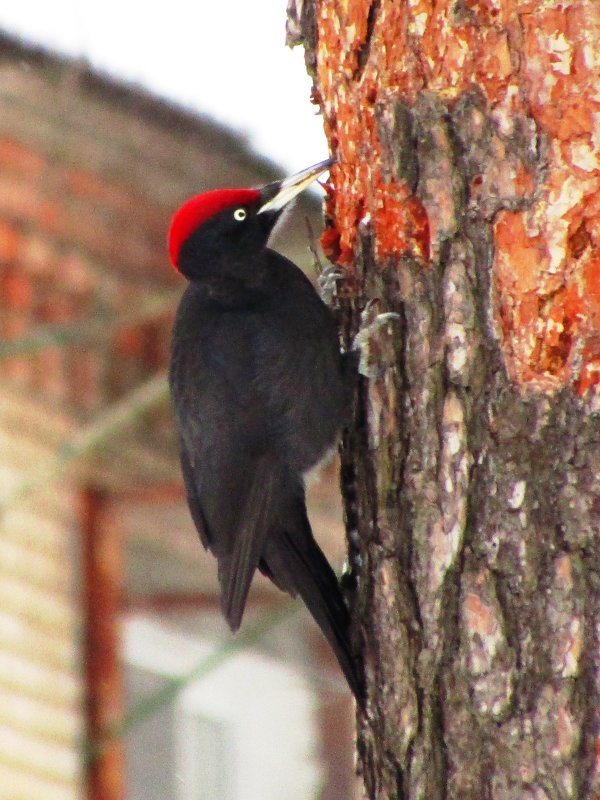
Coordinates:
[224,58]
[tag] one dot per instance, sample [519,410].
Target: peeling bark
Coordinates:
[465,201]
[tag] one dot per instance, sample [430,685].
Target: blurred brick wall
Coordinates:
[40,688]
[62,238]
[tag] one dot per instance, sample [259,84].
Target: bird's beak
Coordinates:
[278,195]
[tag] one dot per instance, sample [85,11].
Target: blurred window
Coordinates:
[244,731]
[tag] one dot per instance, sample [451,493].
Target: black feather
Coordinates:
[293,560]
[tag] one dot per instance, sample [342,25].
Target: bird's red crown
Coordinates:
[200,208]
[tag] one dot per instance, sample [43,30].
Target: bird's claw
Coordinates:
[327,281]
[369,328]
[350,577]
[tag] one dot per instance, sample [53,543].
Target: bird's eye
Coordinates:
[240,214]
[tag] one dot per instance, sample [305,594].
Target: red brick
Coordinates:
[10,242]
[16,290]
[130,342]
[19,157]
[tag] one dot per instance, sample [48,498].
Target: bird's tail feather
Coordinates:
[296,563]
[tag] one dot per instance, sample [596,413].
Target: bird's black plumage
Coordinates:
[260,391]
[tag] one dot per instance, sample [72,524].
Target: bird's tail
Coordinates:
[295,562]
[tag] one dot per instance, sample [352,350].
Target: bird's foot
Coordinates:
[350,577]
[370,325]
[328,281]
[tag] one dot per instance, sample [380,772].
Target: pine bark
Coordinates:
[465,200]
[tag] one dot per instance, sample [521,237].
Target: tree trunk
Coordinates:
[466,200]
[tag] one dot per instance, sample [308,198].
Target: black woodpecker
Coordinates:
[260,392]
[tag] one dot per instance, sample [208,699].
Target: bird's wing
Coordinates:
[193,500]
[232,508]
[237,569]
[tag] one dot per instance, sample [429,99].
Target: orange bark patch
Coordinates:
[400,222]
[359,54]
[556,255]
[531,62]
[479,616]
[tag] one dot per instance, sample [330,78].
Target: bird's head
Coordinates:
[219,230]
